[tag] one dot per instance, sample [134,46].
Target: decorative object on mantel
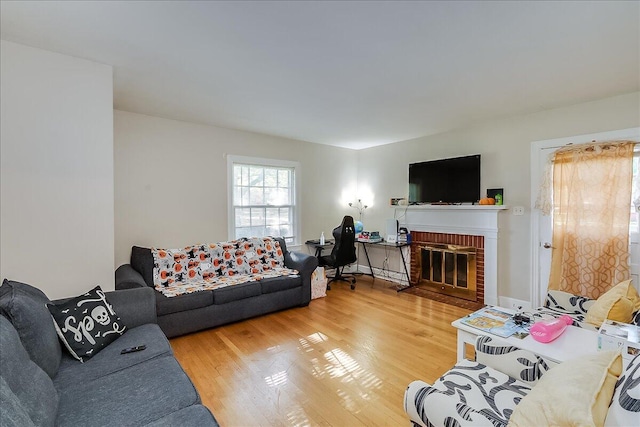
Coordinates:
[497,194]
[487,201]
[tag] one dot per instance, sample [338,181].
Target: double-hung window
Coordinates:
[262,198]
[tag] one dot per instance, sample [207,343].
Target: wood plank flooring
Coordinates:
[345,360]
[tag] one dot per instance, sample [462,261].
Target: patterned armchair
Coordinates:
[486,392]
[559,302]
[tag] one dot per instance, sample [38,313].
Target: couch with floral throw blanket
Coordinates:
[207,285]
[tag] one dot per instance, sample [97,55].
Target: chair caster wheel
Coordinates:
[353,287]
[328,287]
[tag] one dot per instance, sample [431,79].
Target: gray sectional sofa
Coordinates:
[188,313]
[42,385]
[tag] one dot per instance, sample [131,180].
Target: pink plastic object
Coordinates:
[548,330]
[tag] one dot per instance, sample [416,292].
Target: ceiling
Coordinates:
[349,74]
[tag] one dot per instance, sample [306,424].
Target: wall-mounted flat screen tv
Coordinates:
[454,180]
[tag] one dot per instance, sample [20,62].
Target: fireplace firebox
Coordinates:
[448,269]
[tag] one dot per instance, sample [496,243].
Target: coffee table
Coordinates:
[573,342]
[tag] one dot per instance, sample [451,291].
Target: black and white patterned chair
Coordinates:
[486,392]
[559,302]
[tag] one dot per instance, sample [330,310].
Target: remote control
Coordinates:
[133,349]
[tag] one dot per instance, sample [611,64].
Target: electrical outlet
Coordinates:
[518,210]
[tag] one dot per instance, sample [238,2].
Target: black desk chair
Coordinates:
[343,252]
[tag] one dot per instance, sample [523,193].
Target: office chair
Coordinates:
[343,252]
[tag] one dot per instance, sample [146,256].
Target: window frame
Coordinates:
[263,162]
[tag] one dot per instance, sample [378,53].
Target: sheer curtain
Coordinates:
[591,205]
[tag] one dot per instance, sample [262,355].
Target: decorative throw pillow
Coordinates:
[626,288]
[275,256]
[250,246]
[171,266]
[196,255]
[232,261]
[618,304]
[86,324]
[577,392]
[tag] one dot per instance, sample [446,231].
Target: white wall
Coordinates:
[171,181]
[56,174]
[505,148]
[58,168]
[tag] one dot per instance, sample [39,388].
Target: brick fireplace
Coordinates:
[459,225]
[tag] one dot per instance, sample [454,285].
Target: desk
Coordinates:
[388,245]
[573,342]
[318,247]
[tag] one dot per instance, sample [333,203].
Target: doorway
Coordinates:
[541,225]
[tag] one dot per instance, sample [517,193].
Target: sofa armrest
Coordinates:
[128,278]
[305,264]
[414,395]
[135,307]
[302,262]
[517,363]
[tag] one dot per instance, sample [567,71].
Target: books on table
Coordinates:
[493,321]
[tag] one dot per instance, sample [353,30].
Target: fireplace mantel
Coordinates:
[462,219]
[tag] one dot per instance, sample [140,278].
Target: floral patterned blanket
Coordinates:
[217,265]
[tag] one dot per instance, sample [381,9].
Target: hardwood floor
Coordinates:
[345,360]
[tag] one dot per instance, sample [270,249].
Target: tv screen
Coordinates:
[455,180]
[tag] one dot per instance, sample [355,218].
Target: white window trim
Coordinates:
[232,159]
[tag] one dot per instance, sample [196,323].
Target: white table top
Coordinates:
[574,342]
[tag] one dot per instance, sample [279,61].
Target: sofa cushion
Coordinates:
[468,394]
[86,324]
[171,266]
[573,393]
[109,360]
[26,307]
[166,305]
[136,395]
[276,284]
[192,416]
[236,292]
[32,387]
[12,413]
[142,262]
[521,364]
